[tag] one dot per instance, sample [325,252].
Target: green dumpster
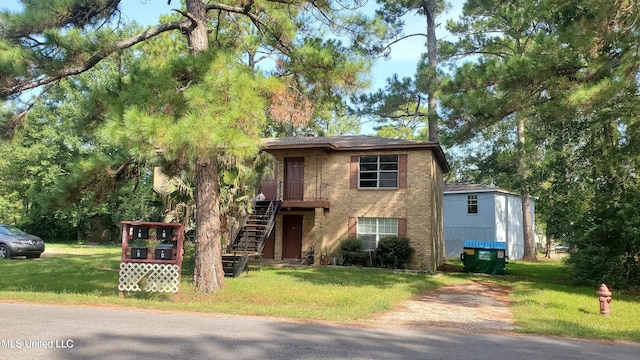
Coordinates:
[488,257]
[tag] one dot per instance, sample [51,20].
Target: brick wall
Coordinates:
[420,203]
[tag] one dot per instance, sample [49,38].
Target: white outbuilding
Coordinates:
[483,212]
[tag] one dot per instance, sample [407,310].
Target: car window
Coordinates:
[11,230]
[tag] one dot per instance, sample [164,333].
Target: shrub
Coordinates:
[189,259]
[351,251]
[393,253]
[595,264]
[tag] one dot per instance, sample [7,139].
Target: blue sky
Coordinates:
[404,55]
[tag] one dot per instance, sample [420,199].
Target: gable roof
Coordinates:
[354,143]
[466,187]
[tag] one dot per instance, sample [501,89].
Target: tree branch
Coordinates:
[402,38]
[398,116]
[25,85]
[233,9]
[120,169]
[246,10]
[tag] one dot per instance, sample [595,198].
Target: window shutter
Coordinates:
[353,172]
[402,171]
[402,227]
[353,227]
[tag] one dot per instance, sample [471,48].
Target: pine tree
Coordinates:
[402,106]
[215,118]
[554,79]
[510,75]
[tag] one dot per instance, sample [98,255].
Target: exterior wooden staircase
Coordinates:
[251,238]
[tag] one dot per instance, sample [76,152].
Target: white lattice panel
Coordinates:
[149,277]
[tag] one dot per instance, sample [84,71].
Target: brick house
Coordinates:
[333,188]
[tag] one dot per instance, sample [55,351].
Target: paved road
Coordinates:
[62,332]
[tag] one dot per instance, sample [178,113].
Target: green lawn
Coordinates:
[74,274]
[543,302]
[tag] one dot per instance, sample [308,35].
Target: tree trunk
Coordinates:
[523,172]
[197,34]
[208,274]
[527,228]
[428,6]
[432,53]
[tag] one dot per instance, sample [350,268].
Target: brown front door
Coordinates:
[291,236]
[269,186]
[294,178]
[270,246]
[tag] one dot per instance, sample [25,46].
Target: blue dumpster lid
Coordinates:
[483,244]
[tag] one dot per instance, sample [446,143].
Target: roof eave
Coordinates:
[470,191]
[435,147]
[355,143]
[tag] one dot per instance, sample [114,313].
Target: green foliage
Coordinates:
[608,237]
[593,265]
[55,226]
[407,108]
[352,254]
[393,253]
[170,95]
[189,258]
[218,115]
[138,243]
[324,73]
[553,75]
[399,109]
[60,181]
[47,38]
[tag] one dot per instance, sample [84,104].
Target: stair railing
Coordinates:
[270,216]
[242,250]
[233,233]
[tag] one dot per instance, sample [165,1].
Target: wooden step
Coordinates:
[245,245]
[252,236]
[257,221]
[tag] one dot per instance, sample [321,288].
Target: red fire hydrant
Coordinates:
[604,295]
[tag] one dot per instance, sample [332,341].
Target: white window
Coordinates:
[472,204]
[371,230]
[378,171]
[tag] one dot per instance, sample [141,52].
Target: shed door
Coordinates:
[292,236]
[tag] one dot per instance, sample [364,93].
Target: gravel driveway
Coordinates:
[475,306]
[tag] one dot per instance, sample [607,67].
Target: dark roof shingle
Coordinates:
[357,142]
[471,187]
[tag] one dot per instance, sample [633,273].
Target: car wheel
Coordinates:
[4,252]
